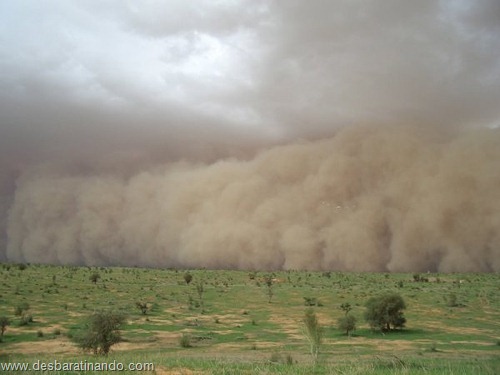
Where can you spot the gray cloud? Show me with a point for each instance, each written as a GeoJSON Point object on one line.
{"type": "Point", "coordinates": [101, 94]}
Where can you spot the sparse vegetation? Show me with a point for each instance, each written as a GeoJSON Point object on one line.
{"type": "Point", "coordinates": [238, 330]}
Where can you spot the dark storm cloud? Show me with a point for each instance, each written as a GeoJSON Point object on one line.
{"type": "Point", "coordinates": [125, 98]}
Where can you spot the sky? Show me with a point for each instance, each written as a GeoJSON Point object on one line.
{"type": "Point", "coordinates": [113, 89]}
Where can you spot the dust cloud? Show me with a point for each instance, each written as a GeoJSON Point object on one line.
{"type": "Point", "coordinates": [379, 198]}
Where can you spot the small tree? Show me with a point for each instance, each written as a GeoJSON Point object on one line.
{"type": "Point", "coordinates": [385, 311]}
{"type": "Point", "coordinates": [95, 277]}
{"type": "Point", "coordinates": [347, 323]}
{"type": "Point", "coordinates": [102, 332]}
{"type": "Point", "coordinates": [200, 290]}
{"type": "Point", "coordinates": [313, 333]}
{"type": "Point", "coordinates": [346, 307]}
{"type": "Point", "coordinates": [188, 277]}
{"type": "Point", "coordinates": [268, 279]}
{"type": "Point", "coordinates": [4, 322]}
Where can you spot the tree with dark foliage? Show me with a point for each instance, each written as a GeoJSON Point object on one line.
{"type": "Point", "coordinates": [385, 312]}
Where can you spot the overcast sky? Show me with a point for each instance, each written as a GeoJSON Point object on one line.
{"type": "Point", "coordinates": [85, 77]}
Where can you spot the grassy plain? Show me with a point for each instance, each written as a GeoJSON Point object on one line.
{"type": "Point", "coordinates": [453, 320]}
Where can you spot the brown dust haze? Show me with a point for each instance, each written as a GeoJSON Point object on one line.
{"type": "Point", "coordinates": [365, 199]}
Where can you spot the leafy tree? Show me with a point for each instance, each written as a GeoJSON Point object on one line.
{"type": "Point", "coordinates": [4, 322]}
{"type": "Point", "coordinates": [102, 332]}
{"type": "Point", "coordinates": [385, 311]}
{"type": "Point", "coordinates": [347, 323]}
{"type": "Point", "coordinates": [188, 277]}
{"type": "Point", "coordinates": [313, 332]}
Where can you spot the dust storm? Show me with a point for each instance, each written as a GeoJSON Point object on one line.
{"type": "Point", "coordinates": [380, 198]}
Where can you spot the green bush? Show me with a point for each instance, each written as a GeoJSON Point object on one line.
{"type": "Point", "coordinates": [347, 324]}
{"type": "Point", "coordinates": [21, 309]}
{"type": "Point", "coordinates": [25, 319]}
{"type": "Point", "coordinates": [385, 312]}
{"type": "Point", "coordinates": [185, 340]}
{"type": "Point", "coordinates": [101, 332]}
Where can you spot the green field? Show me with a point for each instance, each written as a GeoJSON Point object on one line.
{"type": "Point", "coordinates": [233, 328]}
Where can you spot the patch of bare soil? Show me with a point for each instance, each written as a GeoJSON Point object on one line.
{"type": "Point", "coordinates": [176, 371]}
{"type": "Point", "coordinates": [290, 326]}
{"type": "Point", "coordinates": [59, 345]}
{"type": "Point", "coordinates": [461, 330]}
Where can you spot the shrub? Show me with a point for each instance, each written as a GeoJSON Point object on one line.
{"type": "Point", "coordinates": [278, 358]}
{"type": "Point", "coordinates": [26, 319]}
{"type": "Point", "coordinates": [143, 306]}
{"type": "Point", "coordinates": [95, 277]}
{"type": "Point", "coordinates": [188, 277]}
{"type": "Point", "coordinates": [4, 322]}
{"type": "Point", "coordinates": [21, 308]}
{"type": "Point", "coordinates": [185, 340]}
{"type": "Point", "coordinates": [452, 300]}
{"type": "Point", "coordinates": [312, 301]}
{"type": "Point", "coordinates": [347, 323]}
